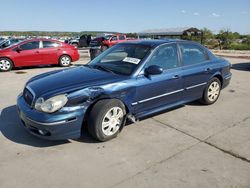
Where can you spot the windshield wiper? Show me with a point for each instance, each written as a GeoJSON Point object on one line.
{"type": "Point", "coordinates": [103, 68]}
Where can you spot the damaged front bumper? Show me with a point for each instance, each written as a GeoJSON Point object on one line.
{"type": "Point", "coordinates": [61, 125]}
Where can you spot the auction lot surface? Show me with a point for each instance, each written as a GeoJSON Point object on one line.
{"type": "Point", "coordinates": [192, 146]}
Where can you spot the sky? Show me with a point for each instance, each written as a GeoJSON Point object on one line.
{"type": "Point", "coordinates": [124, 15]}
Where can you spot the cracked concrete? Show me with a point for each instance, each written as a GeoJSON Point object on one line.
{"type": "Point", "coordinates": [192, 146]}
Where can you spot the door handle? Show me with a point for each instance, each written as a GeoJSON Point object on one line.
{"type": "Point", "coordinates": [37, 52]}
{"type": "Point", "coordinates": [175, 77]}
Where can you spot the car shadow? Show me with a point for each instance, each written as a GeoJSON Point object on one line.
{"type": "Point", "coordinates": [241, 66]}
{"type": "Point", "coordinates": [12, 129]}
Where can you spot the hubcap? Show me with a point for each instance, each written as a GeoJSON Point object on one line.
{"type": "Point", "coordinates": [4, 64]}
{"type": "Point", "coordinates": [213, 91]}
{"type": "Point", "coordinates": [112, 121]}
{"type": "Point", "coordinates": [65, 60]}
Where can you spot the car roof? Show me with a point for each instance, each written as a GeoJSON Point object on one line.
{"type": "Point", "coordinates": [154, 42]}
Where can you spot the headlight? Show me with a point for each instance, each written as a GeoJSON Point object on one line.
{"type": "Point", "coordinates": [51, 105]}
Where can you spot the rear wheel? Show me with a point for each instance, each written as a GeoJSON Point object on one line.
{"type": "Point", "coordinates": [106, 119]}
{"type": "Point", "coordinates": [64, 61]}
{"type": "Point", "coordinates": [212, 92]}
{"type": "Point", "coordinates": [5, 64]}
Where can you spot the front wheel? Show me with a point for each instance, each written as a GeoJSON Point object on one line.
{"type": "Point", "coordinates": [5, 64]}
{"type": "Point", "coordinates": [64, 61]}
{"type": "Point", "coordinates": [212, 92]}
{"type": "Point", "coordinates": [106, 119]}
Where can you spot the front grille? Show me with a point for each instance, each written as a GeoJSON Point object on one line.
{"type": "Point", "coordinates": [28, 96]}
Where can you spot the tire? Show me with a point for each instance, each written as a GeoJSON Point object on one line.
{"type": "Point", "coordinates": [103, 48]}
{"type": "Point", "coordinates": [103, 125]}
{"type": "Point", "coordinates": [64, 61]}
{"type": "Point", "coordinates": [212, 92]}
{"type": "Point", "coordinates": [5, 64]}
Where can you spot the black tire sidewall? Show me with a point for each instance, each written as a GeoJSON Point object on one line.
{"type": "Point", "coordinates": [97, 114]}
{"type": "Point", "coordinates": [60, 62]}
{"type": "Point", "coordinates": [205, 99]}
{"type": "Point", "coordinates": [11, 64]}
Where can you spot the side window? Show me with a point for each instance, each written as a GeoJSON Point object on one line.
{"type": "Point", "coordinates": [30, 45]}
{"type": "Point", "coordinates": [165, 57]}
{"type": "Point", "coordinates": [121, 37]}
{"type": "Point", "coordinates": [49, 44]}
{"type": "Point", "coordinates": [192, 54]}
{"type": "Point", "coordinates": [114, 38]}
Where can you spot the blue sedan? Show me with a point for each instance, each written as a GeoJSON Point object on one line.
{"type": "Point", "coordinates": [128, 81]}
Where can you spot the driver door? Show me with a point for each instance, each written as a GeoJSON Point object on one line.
{"type": "Point", "coordinates": [113, 40]}
{"type": "Point", "coordinates": [154, 91]}
{"type": "Point", "coordinates": [28, 54]}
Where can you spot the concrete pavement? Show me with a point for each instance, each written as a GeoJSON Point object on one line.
{"type": "Point", "coordinates": [191, 146]}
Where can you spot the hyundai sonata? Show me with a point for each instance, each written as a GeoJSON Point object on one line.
{"type": "Point", "coordinates": [128, 81]}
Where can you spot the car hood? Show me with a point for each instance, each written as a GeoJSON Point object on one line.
{"type": "Point", "coordinates": [68, 80]}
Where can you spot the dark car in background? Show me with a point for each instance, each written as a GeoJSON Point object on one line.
{"type": "Point", "coordinates": [130, 80]}
{"type": "Point", "coordinates": [82, 41]}
{"type": "Point", "coordinates": [37, 52]}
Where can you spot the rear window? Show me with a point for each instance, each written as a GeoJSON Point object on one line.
{"type": "Point", "coordinates": [49, 44]}
{"type": "Point", "coordinates": [121, 37]}
{"type": "Point", "coordinates": [192, 54]}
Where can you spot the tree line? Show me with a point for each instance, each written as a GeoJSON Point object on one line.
{"type": "Point", "coordinates": [225, 39]}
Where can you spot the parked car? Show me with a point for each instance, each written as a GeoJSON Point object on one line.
{"type": "Point", "coordinates": [130, 80]}
{"type": "Point", "coordinates": [97, 42]}
{"type": "Point", "coordinates": [8, 42]}
{"type": "Point", "coordinates": [82, 41]}
{"type": "Point", "coordinates": [101, 44]}
{"type": "Point", "coordinates": [37, 52]}
{"type": "Point", "coordinates": [112, 40]}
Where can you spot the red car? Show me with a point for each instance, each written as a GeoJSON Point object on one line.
{"type": "Point", "coordinates": [37, 52]}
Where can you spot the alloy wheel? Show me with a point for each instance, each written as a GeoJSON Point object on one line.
{"type": "Point", "coordinates": [5, 65]}
{"type": "Point", "coordinates": [65, 60]}
{"type": "Point", "coordinates": [213, 91]}
{"type": "Point", "coordinates": [112, 121]}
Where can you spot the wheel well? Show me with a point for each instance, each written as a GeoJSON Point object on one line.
{"type": "Point", "coordinates": [220, 78]}
{"type": "Point", "coordinates": [10, 60]}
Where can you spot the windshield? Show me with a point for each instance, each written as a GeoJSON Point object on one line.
{"type": "Point", "coordinates": [122, 58]}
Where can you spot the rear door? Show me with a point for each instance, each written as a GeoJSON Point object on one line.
{"type": "Point", "coordinates": [29, 54]}
{"type": "Point", "coordinates": [50, 51]}
{"type": "Point", "coordinates": [197, 70]}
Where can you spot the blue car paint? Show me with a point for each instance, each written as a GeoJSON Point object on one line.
{"type": "Point", "coordinates": [142, 95]}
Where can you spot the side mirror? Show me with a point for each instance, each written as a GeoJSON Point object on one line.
{"type": "Point", "coordinates": [153, 70]}
{"type": "Point", "coordinates": [18, 49]}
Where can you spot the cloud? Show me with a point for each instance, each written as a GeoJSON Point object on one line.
{"type": "Point", "coordinates": [244, 12]}
{"type": "Point", "coordinates": [215, 14]}
{"type": "Point", "coordinates": [196, 14]}
{"type": "Point", "coordinates": [183, 11]}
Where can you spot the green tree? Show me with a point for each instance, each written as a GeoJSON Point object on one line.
{"type": "Point", "coordinates": [225, 38]}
